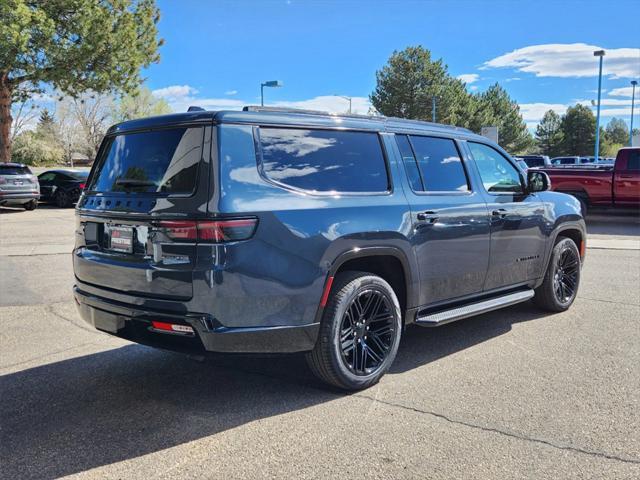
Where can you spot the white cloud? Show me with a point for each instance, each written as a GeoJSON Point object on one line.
{"type": "Point", "coordinates": [569, 60]}
{"type": "Point", "coordinates": [533, 112]}
{"type": "Point", "coordinates": [329, 103]}
{"type": "Point", "coordinates": [623, 92]}
{"type": "Point", "coordinates": [231, 92]}
{"type": "Point", "coordinates": [174, 91]}
{"type": "Point", "coordinates": [469, 78]}
{"type": "Point", "coordinates": [181, 97]}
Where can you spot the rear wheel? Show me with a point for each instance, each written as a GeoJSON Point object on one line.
{"type": "Point", "coordinates": [359, 334]}
{"type": "Point", "coordinates": [562, 278]}
{"type": "Point", "coordinates": [61, 199]}
{"type": "Point", "coordinates": [32, 205]}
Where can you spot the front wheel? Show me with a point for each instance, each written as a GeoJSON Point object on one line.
{"type": "Point", "coordinates": [562, 278]}
{"type": "Point", "coordinates": [61, 199]}
{"type": "Point", "coordinates": [359, 333]}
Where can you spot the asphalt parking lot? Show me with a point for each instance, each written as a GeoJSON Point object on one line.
{"type": "Point", "coordinates": [510, 394]}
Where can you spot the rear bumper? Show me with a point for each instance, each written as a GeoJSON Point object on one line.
{"type": "Point", "coordinates": [133, 323]}
{"type": "Point", "coordinates": [18, 198]}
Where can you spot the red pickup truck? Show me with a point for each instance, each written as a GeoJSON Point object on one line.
{"type": "Point", "coordinates": [600, 186]}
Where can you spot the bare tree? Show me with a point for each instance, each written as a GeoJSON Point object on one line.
{"type": "Point", "coordinates": [24, 113]}
{"type": "Point", "coordinates": [83, 121]}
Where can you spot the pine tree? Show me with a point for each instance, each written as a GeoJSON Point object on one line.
{"type": "Point", "coordinates": [578, 127]}
{"type": "Point", "coordinates": [549, 134]}
{"type": "Point", "coordinates": [494, 107]}
{"type": "Point", "coordinates": [408, 83]}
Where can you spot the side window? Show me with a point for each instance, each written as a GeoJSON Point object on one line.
{"type": "Point", "coordinates": [440, 164]}
{"type": "Point", "coordinates": [324, 160]}
{"type": "Point", "coordinates": [633, 160]}
{"type": "Point", "coordinates": [409, 163]}
{"type": "Point", "coordinates": [46, 177]}
{"type": "Point", "coordinates": [497, 173]}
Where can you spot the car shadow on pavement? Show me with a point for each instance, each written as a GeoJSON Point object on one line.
{"type": "Point", "coordinates": [85, 412]}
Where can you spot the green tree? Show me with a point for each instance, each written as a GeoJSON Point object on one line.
{"type": "Point", "coordinates": [138, 104]}
{"type": "Point", "coordinates": [549, 134]}
{"type": "Point", "coordinates": [407, 84]}
{"type": "Point", "coordinates": [494, 107]}
{"type": "Point", "coordinates": [617, 131]}
{"type": "Point", "coordinates": [31, 148]}
{"type": "Point", "coordinates": [74, 46]}
{"type": "Point", "coordinates": [47, 128]}
{"type": "Point", "coordinates": [578, 127]}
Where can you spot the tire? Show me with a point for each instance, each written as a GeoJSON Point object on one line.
{"type": "Point", "coordinates": [562, 278]}
{"type": "Point", "coordinates": [358, 364]}
{"type": "Point", "coordinates": [61, 199]}
{"type": "Point", "coordinates": [32, 205]}
{"type": "Point", "coordinates": [583, 206]}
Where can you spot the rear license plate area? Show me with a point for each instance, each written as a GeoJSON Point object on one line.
{"type": "Point", "coordinates": [119, 238]}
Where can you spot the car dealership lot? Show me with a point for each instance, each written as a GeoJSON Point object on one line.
{"type": "Point", "coordinates": [511, 394]}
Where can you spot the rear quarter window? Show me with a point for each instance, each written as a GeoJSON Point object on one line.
{"type": "Point", "coordinates": [161, 161]}
{"type": "Point", "coordinates": [13, 170]}
{"type": "Point", "coordinates": [324, 160]}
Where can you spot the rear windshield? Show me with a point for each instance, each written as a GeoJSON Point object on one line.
{"type": "Point", "coordinates": [161, 161]}
{"type": "Point", "coordinates": [14, 170]}
{"type": "Point", "coordinates": [534, 161]}
{"type": "Point", "coordinates": [78, 175]}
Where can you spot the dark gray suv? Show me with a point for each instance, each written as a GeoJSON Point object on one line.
{"type": "Point", "coordinates": [273, 231]}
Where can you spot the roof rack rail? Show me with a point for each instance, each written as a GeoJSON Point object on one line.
{"type": "Point", "coordinates": [257, 108]}
{"type": "Point", "coordinates": [382, 118]}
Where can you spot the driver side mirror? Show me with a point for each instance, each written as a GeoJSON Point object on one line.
{"type": "Point", "coordinates": [538, 181]}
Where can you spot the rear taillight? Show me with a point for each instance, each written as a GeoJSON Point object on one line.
{"type": "Point", "coordinates": [82, 186]}
{"type": "Point", "coordinates": [210, 231]}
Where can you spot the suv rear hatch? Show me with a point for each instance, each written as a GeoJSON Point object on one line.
{"type": "Point", "coordinates": [144, 190]}
{"type": "Point", "coordinates": [15, 179]}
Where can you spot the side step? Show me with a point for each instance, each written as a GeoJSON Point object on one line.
{"type": "Point", "coordinates": [446, 316]}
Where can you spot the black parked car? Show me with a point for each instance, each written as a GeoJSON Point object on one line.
{"type": "Point", "coordinates": [272, 231]}
{"type": "Point", "coordinates": [62, 187]}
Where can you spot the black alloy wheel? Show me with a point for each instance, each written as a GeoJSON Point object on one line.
{"type": "Point", "coordinates": [565, 277]}
{"type": "Point", "coordinates": [359, 332]}
{"type": "Point", "coordinates": [61, 199]}
{"type": "Point", "coordinates": [367, 332]}
{"type": "Point", "coordinates": [561, 281]}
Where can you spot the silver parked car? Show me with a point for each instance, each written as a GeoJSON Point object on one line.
{"type": "Point", "coordinates": [18, 186]}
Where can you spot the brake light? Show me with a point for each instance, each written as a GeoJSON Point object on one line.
{"type": "Point", "coordinates": [214, 231]}
{"type": "Point", "coordinates": [82, 186]}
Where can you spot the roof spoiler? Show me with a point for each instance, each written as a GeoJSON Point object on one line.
{"type": "Point", "coordinates": [194, 108]}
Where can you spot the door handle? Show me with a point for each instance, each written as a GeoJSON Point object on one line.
{"type": "Point", "coordinates": [626, 177]}
{"type": "Point", "coordinates": [501, 213]}
{"type": "Point", "coordinates": [428, 216]}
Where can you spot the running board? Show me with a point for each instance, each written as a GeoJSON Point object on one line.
{"type": "Point", "coordinates": [446, 316]}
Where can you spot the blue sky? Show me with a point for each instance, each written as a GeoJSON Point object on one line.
{"type": "Point", "coordinates": [217, 53]}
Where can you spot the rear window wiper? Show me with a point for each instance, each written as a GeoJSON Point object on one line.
{"type": "Point", "coordinates": [132, 182]}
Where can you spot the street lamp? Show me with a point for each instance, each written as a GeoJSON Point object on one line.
{"type": "Point", "coordinates": [633, 98]}
{"type": "Point", "coordinates": [598, 53]}
{"type": "Point", "coordinates": [270, 83]}
{"type": "Point", "coordinates": [346, 98]}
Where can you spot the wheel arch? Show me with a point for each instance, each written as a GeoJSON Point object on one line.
{"type": "Point", "coordinates": [389, 263]}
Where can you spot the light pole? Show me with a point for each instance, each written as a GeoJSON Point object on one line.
{"type": "Point", "coordinates": [346, 98]}
{"type": "Point", "coordinates": [433, 109]}
{"type": "Point", "coordinates": [598, 53]}
{"type": "Point", "coordinates": [633, 98]}
{"type": "Point", "coordinates": [270, 83]}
